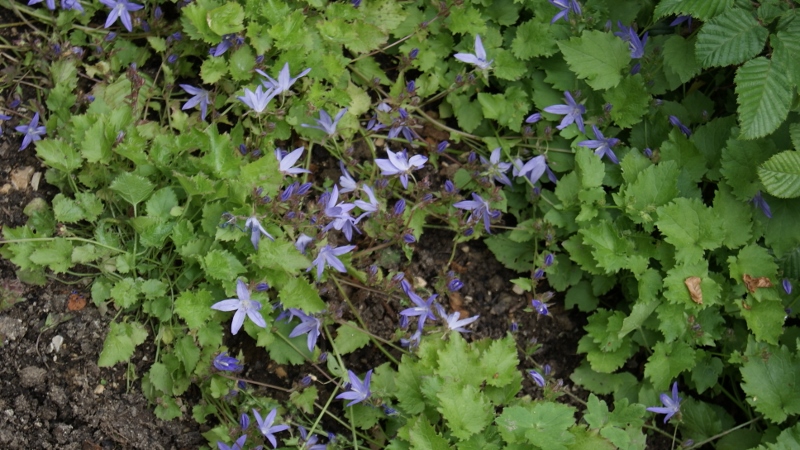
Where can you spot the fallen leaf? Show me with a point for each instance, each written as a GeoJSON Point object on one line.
{"type": "Point", "coordinates": [693, 284]}
{"type": "Point", "coordinates": [76, 302]}
{"type": "Point", "coordinates": [755, 283]}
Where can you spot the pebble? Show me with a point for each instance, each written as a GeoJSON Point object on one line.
{"type": "Point", "coordinates": [31, 376]}
{"type": "Point", "coordinates": [11, 329]}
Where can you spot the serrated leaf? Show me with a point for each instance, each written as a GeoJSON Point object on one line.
{"type": "Point", "coordinates": [597, 57]}
{"type": "Point", "coordinates": [132, 188]}
{"type": "Point", "coordinates": [655, 186]}
{"type": "Point", "coordinates": [544, 425]}
{"type": "Point", "coordinates": [226, 19]}
{"type": "Point", "coordinates": [788, 439]}
{"type": "Point", "coordinates": [299, 293]}
{"type": "Point", "coordinates": [730, 38]}
{"type": "Point", "coordinates": [280, 255]}
{"type": "Point", "coordinates": [457, 364]}
{"type": "Point", "coordinates": [679, 57]}
{"type": "Point", "coordinates": [160, 378]}
{"type": "Point", "coordinates": [55, 254]}
{"type": "Point", "coordinates": [765, 319]}
{"type": "Point", "coordinates": [630, 101]}
{"type": "Point", "coordinates": [667, 362]}
{"type": "Point", "coordinates": [466, 410]}
{"type": "Point", "coordinates": [58, 155]}
{"type": "Point", "coordinates": [194, 307]}
{"type": "Point", "coordinates": [612, 251]}
{"type": "Point", "coordinates": [499, 362]}
{"type": "Point", "coordinates": [705, 374]}
{"type": "Point", "coordinates": [241, 63]}
{"type": "Point", "coordinates": [699, 9]}
{"type": "Point", "coordinates": [786, 45]}
{"type": "Point", "coordinates": [125, 293]}
{"type": "Point", "coordinates": [736, 217]}
{"type": "Point", "coordinates": [350, 338]}
{"type": "Point", "coordinates": [305, 399]}
{"type": "Point", "coordinates": [120, 343]}
{"type": "Point", "coordinates": [691, 227]}
{"type": "Point", "coordinates": [770, 382]}
{"type": "Point", "coordinates": [764, 94]}
{"type": "Point", "coordinates": [533, 38]}
{"type": "Point", "coordinates": [423, 436]}
{"type": "Point", "coordinates": [161, 203]}
{"type": "Point", "coordinates": [514, 255]}
{"type": "Point", "coordinates": [222, 265]}
{"type": "Point", "coordinates": [213, 69]}
{"type": "Point", "coordinates": [781, 174]}
{"type": "Point", "coordinates": [740, 161]}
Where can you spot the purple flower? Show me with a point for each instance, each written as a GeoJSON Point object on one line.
{"type": "Point", "coordinates": [309, 325]}
{"type": "Point", "coordinates": [533, 118]}
{"type": "Point", "coordinates": [672, 405]}
{"type": "Point", "coordinates": [266, 428]}
{"type": "Point", "coordinates": [454, 285]}
{"type": "Point", "coordinates": [565, 6]}
{"type": "Point", "coordinates": [370, 207]}
{"type": "Point", "coordinates": [310, 443]}
{"type": "Point", "coordinates": [51, 4]}
{"type": "Point", "coordinates": [256, 231]}
{"type": "Point", "coordinates": [244, 421]}
{"type": "Point", "coordinates": [676, 122]}
{"type": "Point", "coordinates": [227, 42]}
{"type": "Point", "coordinates": [548, 260]}
{"type": "Point", "coordinates": [256, 100]}
{"type": "Point", "coordinates": [495, 168]}
{"type": "Point", "coordinates": [358, 391]}
{"type": "Point", "coordinates": [442, 146]}
{"type": "Point", "coordinates": [401, 125]}
{"type": "Point", "coordinates": [454, 324]}
{"type": "Point", "coordinates": [227, 363]}
{"type": "Point", "coordinates": [72, 4]}
{"type": "Point", "coordinates": [413, 341]}
{"type": "Point", "coordinates": [533, 169]}
{"type": "Point", "coordinates": [537, 378]}
{"type": "Point", "coordinates": [399, 207]}
{"type": "Point", "coordinates": [286, 162]}
{"type": "Point", "coordinates": [243, 306]}
{"type": "Point", "coordinates": [284, 81]}
{"type": "Point", "coordinates": [759, 201]}
{"type": "Point", "coordinates": [423, 309]}
{"type": "Point", "coordinates": [200, 97]}
{"type": "Point", "coordinates": [324, 123]}
{"type": "Point", "coordinates": [120, 9]}
{"type": "Point", "coordinates": [32, 131]}
{"type": "Point", "coordinates": [540, 307]}
{"type": "Point", "coordinates": [602, 145]}
{"type": "Point", "coordinates": [400, 164]}
{"type": "Point", "coordinates": [680, 19]}
{"type": "Point", "coordinates": [328, 257]}
{"type": "Point", "coordinates": [787, 286]}
{"type": "Point", "coordinates": [478, 59]}
{"type": "Point", "coordinates": [413, 53]}
{"type": "Point", "coordinates": [635, 44]}
{"type": "Point", "coordinates": [302, 242]}
{"type": "Point", "coordinates": [238, 445]}
{"type": "Point", "coordinates": [480, 209]}
{"type": "Point", "coordinates": [572, 112]}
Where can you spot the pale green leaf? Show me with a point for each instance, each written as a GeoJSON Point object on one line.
{"type": "Point", "coordinates": [730, 38]}
{"type": "Point", "coordinates": [667, 362]}
{"type": "Point", "coordinates": [770, 382]}
{"type": "Point", "coordinates": [597, 57]}
{"type": "Point", "coordinates": [349, 338]}
{"type": "Point", "coordinates": [121, 342]}
{"type": "Point", "coordinates": [691, 227]}
{"type": "Point", "coordinates": [699, 9]}
{"type": "Point", "coordinates": [226, 19]}
{"type": "Point", "coordinates": [764, 94]}
{"type": "Point", "coordinates": [132, 188]}
{"type": "Point", "coordinates": [465, 409]}
{"type": "Point", "coordinates": [781, 174]}
{"type": "Point", "coordinates": [58, 155]}
{"type": "Point", "coordinates": [222, 265]}
{"type": "Point", "coordinates": [630, 101]}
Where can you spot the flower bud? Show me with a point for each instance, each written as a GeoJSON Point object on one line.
{"type": "Point", "coordinates": [399, 207]}
{"type": "Point", "coordinates": [413, 53]}
{"type": "Point", "coordinates": [409, 238]}
{"type": "Point", "coordinates": [548, 260]}
{"type": "Point", "coordinates": [449, 187]}
{"type": "Point", "coordinates": [172, 58]}
{"type": "Point", "coordinates": [261, 287]}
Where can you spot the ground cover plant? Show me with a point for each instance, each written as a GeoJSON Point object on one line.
{"type": "Point", "coordinates": [231, 176]}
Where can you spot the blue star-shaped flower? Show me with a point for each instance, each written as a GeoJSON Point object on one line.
{"type": "Point", "coordinates": [309, 325]}
{"type": "Point", "coordinates": [602, 145]}
{"type": "Point", "coordinates": [479, 58]}
{"type": "Point", "coordinates": [32, 131]}
{"type": "Point", "coordinates": [243, 307]}
{"type": "Point", "coordinates": [266, 428]}
{"type": "Point", "coordinates": [120, 9]}
{"type": "Point", "coordinates": [325, 123]}
{"type": "Point", "coordinates": [358, 391]}
{"type": "Point", "coordinates": [572, 112]}
{"type": "Point", "coordinates": [200, 97]}
{"type": "Point", "coordinates": [672, 405]}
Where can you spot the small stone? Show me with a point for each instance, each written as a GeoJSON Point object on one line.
{"type": "Point", "coordinates": [99, 389]}
{"type": "Point", "coordinates": [55, 344]}
{"type": "Point", "coordinates": [21, 178]}
{"type": "Point", "coordinates": [31, 376]}
{"type": "Point", "coordinates": [419, 282]}
{"type": "Point", "coordinates": [517, 290]}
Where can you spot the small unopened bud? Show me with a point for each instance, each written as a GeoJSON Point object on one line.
{"type": "Point", "coordinates": [648, 152]}
{"type": "Point", "coordinates": [787, 286]}
{"type": "Point", "coordinates": [454, 285]}
{"type": "Point", "coordinates": [413, 53]}
{"type": "Point", "coordinates": [409, 238]}
{"type": "Point", "coordinates": [538, 275]}
{"type": "Point", "coordinates": [449, 187]}
{"type": "Point", "coordinates": [242, 149]}
{"type": "Point", "coordinates": [411, 87]}
{"type": "Point", "coordinates": [403, 322]}
{"type": "Point", "coordinates": [261, 287]}
{"type": "Point", "coordinates": [548, 260]}
{"type": "Point", "coordinates": [306, 381]}
{"type": "Point", "coordinates": [110, 36]}
{"type": "Point", "coordinates": [172, 58]}
{"type": "Point", "coordinates": [399, 207]}
{"type": "Point", "coordinates": [158, 13]}
{"type": "Point", "coordinates": [442, 146]}
{"type": "Point", "coordinates": [323, 357]}
{"type": "Point", "coordinates": [469, 232]}
{"type": "Point", "coordinates": [244, 421]}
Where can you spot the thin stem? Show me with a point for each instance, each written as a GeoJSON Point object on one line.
{"type": "Point", "coordinates": [719, 435]}
{"type": "Point", "coordinates": [88, 241]}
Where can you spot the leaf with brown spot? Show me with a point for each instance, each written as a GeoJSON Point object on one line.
{"type": "Point", "coordinates": [693, 284]}
{"type": "Point", "coordinates": [755, 283]}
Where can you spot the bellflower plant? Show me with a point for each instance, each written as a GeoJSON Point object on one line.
{"type": "Point", "coordinates": [495, 168]}
{"type": "Point", "coordinates": [309, 325]}
{"type": "Point", "coordinates": [256, 231]}
{"type": "Point", "coordinates": [51, 4]}
{"type": "Point", "coordinates": [565, 6]}
{"type": "Point", "coordinates": [602, 145]}
{"type": "Point", "coordinates": [676, 122]}
{"type": "Point", "coordinates": [238, 445]}
{"type": "Point", "coordinates": [227, 363]}
{"type": "Point", "coordinates": [359, 391]}
{"type": "Point", "coordinates": [572, 112]}
{"type": "Point", "coordinates": [284, 81]}
{"type": "Point", "coordinates": [762, 204]}
{"type": "Point", "coordinates": [200, 97]}
{"type": "Point", "coordinates": [479, 208]}
{"type": "Point", "coordinates": [32, 131]}
{"type": "Point", "coordinates": [346, 180]}
{"type": "Point", "coordinates": [243, 307]}
{"type": "Point", "coordinates": [423, 309]}
{"type": "Point", "coordinates": [266, 427]}
{"type": "Point", "coordinates": [454, 323]}
{"type": "Point", "coordinates": [672, 404]}
{"type": "Point", "coordinates": [325, 123]}
{"type": "Point", "coordinates": [256, 100]}
{"type": "Point", "coordinates": [120, 9]}
{"type": "Point", "coordinates": [327, 256]}
{"type": "Point", "coordinates": [400, 164]}
{"type": "Point", "coordinates": [478, 59]}
{"type": "Point", "coordinates": [286, 161]}
{"type": "Point", "coordinates": [533, 169]}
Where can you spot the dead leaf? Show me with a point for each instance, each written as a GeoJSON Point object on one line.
{"type": "Point", "coordinates": [693, 284]}
{"type": "Point", "coordinates": [755, 283]}
{"type": "Point", "coordinates": [76, 302]}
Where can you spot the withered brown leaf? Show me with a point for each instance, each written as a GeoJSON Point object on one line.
{"type": "Point", "coordinates": [693, 284]}
{"type": "Point", "coordinates": [755, 283]}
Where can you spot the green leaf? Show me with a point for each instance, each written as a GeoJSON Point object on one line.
{"type": "Point", "coordinates": [213, 69]}
{"type": "Point", "coordinates": [679, 57]}
{"type": "Point", "coordinates": [533, 39]}
{"type": "Point", "coordinates": [55, 254]}
{"type": "Point", "coordinates": [125, 293]}
{"type": "Point", "coordinates": [466, 410]}
{"type": "Point", "coordinates": [612, 251]}
{"type": "Point", "coordinates": [423, 436]}
{"type": "Point", "coordinates": [466, 20]}
{"type": "Point", "coordinates": [736, 217]}
{"type": "Point", "coordinates": [499, 362]}
{"type": "Point", "coordinates": [226, 19]}
{"type": "Point", "coordinates": [160, 377]}
{"type": "Point", "coordinates": [705, 374]}
{"type": "Point", "coordinates": [691, 227]}
{"type": "Point", "coordinates": [160, 204]}
{"type": "Point", "coordinates": [280, 255]}
{"type": "Point", "coordinates": [630, 100]}
{"type": "Point", "coordinates": [514, 255]}
{"type": "Point", "coordinates": [788, 439]}
{"type": "Point", "coordinates": [740, 161]}
{"type": "Point", "coordinates": [349, 338]}
{"type": "Point", "coordinates": [753, 260]}
{"type": "Point", "coordinates": [457, 364]}
{"type": "Point", "coordinates": [781, 174]}
{"type": "Point", "coordinates": [667, 362]}
{"type": "Point", "coordinates": [194, 307]}
{"type": "Point", "coordinates": [305, 399]}
{"type": "Point", "coordinates": [299, 293]}
{"type": "Point", "coordinates": [764, 94]}
{"type": "Point", "coordinates": [58, 155]}
{"type": "Point", "coordinates": [284, 349]}
{"type": "Point", "coordinates": [786, 47]}
{"type": "Point", "coordinates": [132, 188]}
{"type": "Point", "coordinates": [730, 38]}
{"type": "Point", "coordinates": [544, 425]}
{"type": "Point", "coordinates": [187, 352]}
{"type": "Point", "coordinates": [654, 187]}
{"type": "Point", "coordinates": [121, 342]}
{"type": "Point", "coordinates": [241, 63]}
{"type": "Point", "coordinates": [699, 9]}
{"type": "Point", "coordinates": [765, 319]}
{"type": "Point", "coordinates": [770, 381]}
{"type": "Point", "coordinates": [675, 289]}
{"type": "Point", "coordinates": [222, 265]}
{"type": "Point", "coordinates": [597, 57]}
